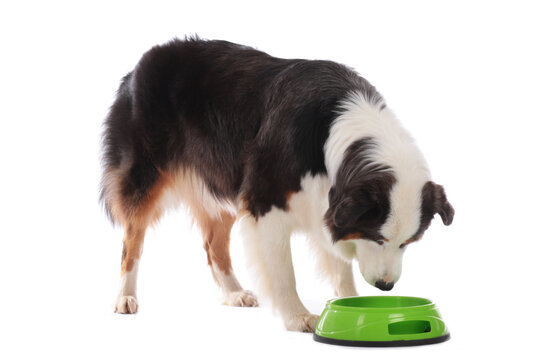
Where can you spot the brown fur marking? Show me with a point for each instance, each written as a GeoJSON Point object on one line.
{"type": "Point", "coordinates": [135, 220]}
{"type": "Point", "coordinates": [149, 211]}
{"type": "Point", "coordinates": [186, 186]}
{"type": "Point", "coordinates": [352, 236]}
{"type": "Point", "coordinates": [411, 240]}
{"type": "Point", "coordinates": [289, 195]}
{"type": "Point", "coordinates": [216, 236]}
{"type": "Point", "coordinates": [133, 240]}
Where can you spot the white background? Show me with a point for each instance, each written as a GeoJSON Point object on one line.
{"type": "Point", "coordinates": [463, 77]}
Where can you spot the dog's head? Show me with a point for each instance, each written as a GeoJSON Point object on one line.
{"type": "Point", "coordinates": [375, 212]}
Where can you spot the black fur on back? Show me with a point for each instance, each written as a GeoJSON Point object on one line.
{"type": "Point", "coordinates": [249, 124]}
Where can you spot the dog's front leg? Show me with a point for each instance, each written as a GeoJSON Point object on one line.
{"type": "Point", "coordinates": [336, 270]}
{"type": "Point", "coordinates": [267, 242]}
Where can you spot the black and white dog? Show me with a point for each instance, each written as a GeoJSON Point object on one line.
{"type": "Point", "coordinates": [281, 145]}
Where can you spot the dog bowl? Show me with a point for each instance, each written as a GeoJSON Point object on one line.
{"type": "Point", "coordinates": [380, 321]}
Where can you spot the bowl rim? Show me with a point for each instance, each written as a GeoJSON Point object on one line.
{"type": "Point", "coordinates": [334, 304]}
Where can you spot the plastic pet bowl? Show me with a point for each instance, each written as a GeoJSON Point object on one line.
{"type": "Point", "coordinates": [380, 321]}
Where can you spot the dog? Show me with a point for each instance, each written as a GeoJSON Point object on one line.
{"type": "Point", "coordinates": [283, 146]}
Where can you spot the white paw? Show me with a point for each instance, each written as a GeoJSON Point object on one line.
{"type": "Point", "coordinates": [243, 298]}
{"type": "Point", "coordinates": [302, 323]}
{"type": "Point", "coordinates": [126, 305]}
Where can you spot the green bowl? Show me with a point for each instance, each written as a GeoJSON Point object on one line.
{"type": "Point", "coordinates": [381, 321]}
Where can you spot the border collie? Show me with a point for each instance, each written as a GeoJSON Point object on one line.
{"type": "Point", "coordinates": [283, 146]}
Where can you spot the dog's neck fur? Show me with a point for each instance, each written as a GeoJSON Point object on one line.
{"type": "Point", "coordinates": [395, 149]}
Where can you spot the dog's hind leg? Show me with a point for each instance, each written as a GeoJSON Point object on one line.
{"type": "Point", "coordinates": [126, 303]}
{"type": "Point", "coordinates": [216, 236]}
{"type": "Point", "coordinates": [135, 204]}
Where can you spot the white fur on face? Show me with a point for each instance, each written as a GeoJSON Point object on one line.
{"type": "Point", "coordinates": [379, 262]}
{"type": "Point", "coordinates": [396, 149]}
{"type": "Point", "coordinates": [405, 211]}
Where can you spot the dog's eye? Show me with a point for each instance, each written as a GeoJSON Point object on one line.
{"type": "Point", "coordinates": [403, 246]}
{"type": "Point", "coordinates": [380, 242]}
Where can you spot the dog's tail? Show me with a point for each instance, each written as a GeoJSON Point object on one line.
{"type": "Point", "coordinates": [116, 147]}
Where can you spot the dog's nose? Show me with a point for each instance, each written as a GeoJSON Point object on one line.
{"type": "Point", "coordinates": [384, 286]}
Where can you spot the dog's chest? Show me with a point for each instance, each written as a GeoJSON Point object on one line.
{"type": "Point", "coordinates": [307, 207]}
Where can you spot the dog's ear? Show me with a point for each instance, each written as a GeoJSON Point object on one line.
{"type": "Point", "coordinates": [348, 211]}
{"type": "Point", "coordinates": [353, 208]}
{"type": "Point", "coordinates": [434, 199]}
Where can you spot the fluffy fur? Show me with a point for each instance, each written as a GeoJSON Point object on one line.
{"type": "Point", "coordinates": [284, 144]}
